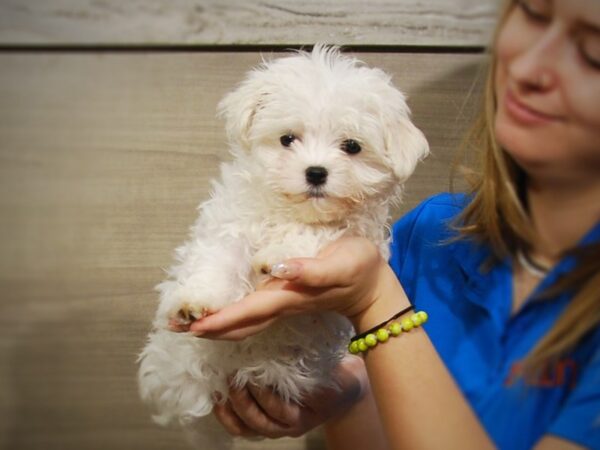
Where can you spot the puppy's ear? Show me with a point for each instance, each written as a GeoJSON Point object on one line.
{"type": "Point", "coordinates": [239, 107]}
{"type": "Point", "coordinates": [405, 144]}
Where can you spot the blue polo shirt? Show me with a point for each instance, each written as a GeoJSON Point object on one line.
{"type": "Point", "coordinates": [480, 342]}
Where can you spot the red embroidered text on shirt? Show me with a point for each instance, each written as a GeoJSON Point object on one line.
{"type": "Point", "coordinates": [564, 372]}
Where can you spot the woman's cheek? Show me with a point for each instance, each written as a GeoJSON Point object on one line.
{"type": "Point", "coordinates": [582, 100]}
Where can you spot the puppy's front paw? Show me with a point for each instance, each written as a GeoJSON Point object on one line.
{"type": "Point", "coordinates": [192, 311]}
{"type": "Point", "coordinates": [181, 318]}
{"type": "Point", "coordinates": [180, 304]}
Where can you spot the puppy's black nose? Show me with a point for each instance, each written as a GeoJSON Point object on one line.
{"type": "Point", "coordinates": [316, 175]}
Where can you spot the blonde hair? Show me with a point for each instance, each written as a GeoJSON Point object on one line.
{"type": "Point", "coordinates": [497, 217]}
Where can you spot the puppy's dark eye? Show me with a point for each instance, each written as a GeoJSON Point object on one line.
{"type": "Point", "coordinates": [351, 147]}
{"type": "Point", "coordinates": [287, 139]}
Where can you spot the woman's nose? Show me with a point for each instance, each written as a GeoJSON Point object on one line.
{"type": "Point", "coordinates": [537, 66]}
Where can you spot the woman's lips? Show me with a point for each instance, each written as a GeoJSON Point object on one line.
{"type": "Point", "coordinates": [525, 114]}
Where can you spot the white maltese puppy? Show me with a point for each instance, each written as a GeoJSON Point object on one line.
{"type": "Point", "coordinates": [321, 146]}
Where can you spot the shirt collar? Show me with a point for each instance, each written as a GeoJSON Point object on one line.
{"type": "Point", "coordinates": [568, 263]}
{"type": "Point", "coordinates": [471, 258]}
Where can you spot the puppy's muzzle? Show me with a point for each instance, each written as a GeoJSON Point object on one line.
{"type": "Point", "coordinates": [316, 175]}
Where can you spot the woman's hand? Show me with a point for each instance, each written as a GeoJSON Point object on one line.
{"type": "Point", "coordinates": [349, 276]}
{"type": "Point", "coordinates": [251, 411]}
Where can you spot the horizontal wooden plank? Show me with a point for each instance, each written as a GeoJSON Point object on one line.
{"type": "Point", "coordinates": [239, 22]}
{"type": "Point", "coordinates": [103, 160]}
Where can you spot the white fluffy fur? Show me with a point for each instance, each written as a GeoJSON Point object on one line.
{"type": "Point", "coordinates": [261, 212]}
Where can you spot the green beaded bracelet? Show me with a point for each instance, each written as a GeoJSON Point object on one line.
{"type": "Point", "coordinates": [362, 342]}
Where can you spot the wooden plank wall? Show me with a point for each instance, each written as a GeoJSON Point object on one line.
{"type": "Point", "coordinates": [242, 22]}
{"type": "Point", "coordinates": [108, 139]}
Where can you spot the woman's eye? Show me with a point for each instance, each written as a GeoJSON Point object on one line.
{"type": "Point", "coordinates": [287, 139]}
{"type": "Point", "coordinates": [589, 47]}
{"type": "Point", "coordinates": [538, 10]}
{"type": "Point", "coordinates": [351, 147]}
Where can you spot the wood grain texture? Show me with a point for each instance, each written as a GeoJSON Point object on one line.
{"type": "Point", "coordinates": [103, 160]}
{"type": "Point", "coordinates": [237, 22]}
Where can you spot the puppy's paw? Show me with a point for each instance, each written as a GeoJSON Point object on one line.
{"type": "Point", "coordinates": [192, 311]}
{"type": "Point", "coordinates": [181, 304]}
{"type": "Point", "coordinates": [181, 318]}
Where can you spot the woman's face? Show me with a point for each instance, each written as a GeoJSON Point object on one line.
{"type": "Point", "coordinates": [548, 87]}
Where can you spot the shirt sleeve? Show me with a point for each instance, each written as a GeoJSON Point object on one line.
{"type": "Point", "coordinates": [401, 234]}
{"type": "Point", "coordinates": [579, 419]}
{"type": "Point", "coordinates": [440, 206]}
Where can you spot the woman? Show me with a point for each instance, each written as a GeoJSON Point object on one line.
{"type": "Point", "coordinates": [509, 275]}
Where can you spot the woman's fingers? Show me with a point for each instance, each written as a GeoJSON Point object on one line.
{"type": "Point", "coordinates": [252, 314]}
{"type": "Point", "coordinates": [230, 421]}
{"type": "Point", "coordinates": [235, 334]}
{"type": "Point", "coordinates": [254, 410]}
{"type": "Point", "coordinates": [335, 266]}
{"type": "Point", "coordinates": [253, 416]}
{"type": "Point", "coordinates": [177, 327]}
{"type": "Point", "coordinates": [290, 415]}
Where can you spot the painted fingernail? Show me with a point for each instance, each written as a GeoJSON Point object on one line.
{"type": "Point", "coordinates": [285, 270]}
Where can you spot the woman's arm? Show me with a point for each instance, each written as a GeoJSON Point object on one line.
{"type": "Point", "coordinates": [419, 403]}
{"type": "Point", "coordinates": [358, 427]}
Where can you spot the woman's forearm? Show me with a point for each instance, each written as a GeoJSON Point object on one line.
{"type": "Point", "coordinates": [419, 403]}
{"type": "Point", "coordinates": [359, 427]}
